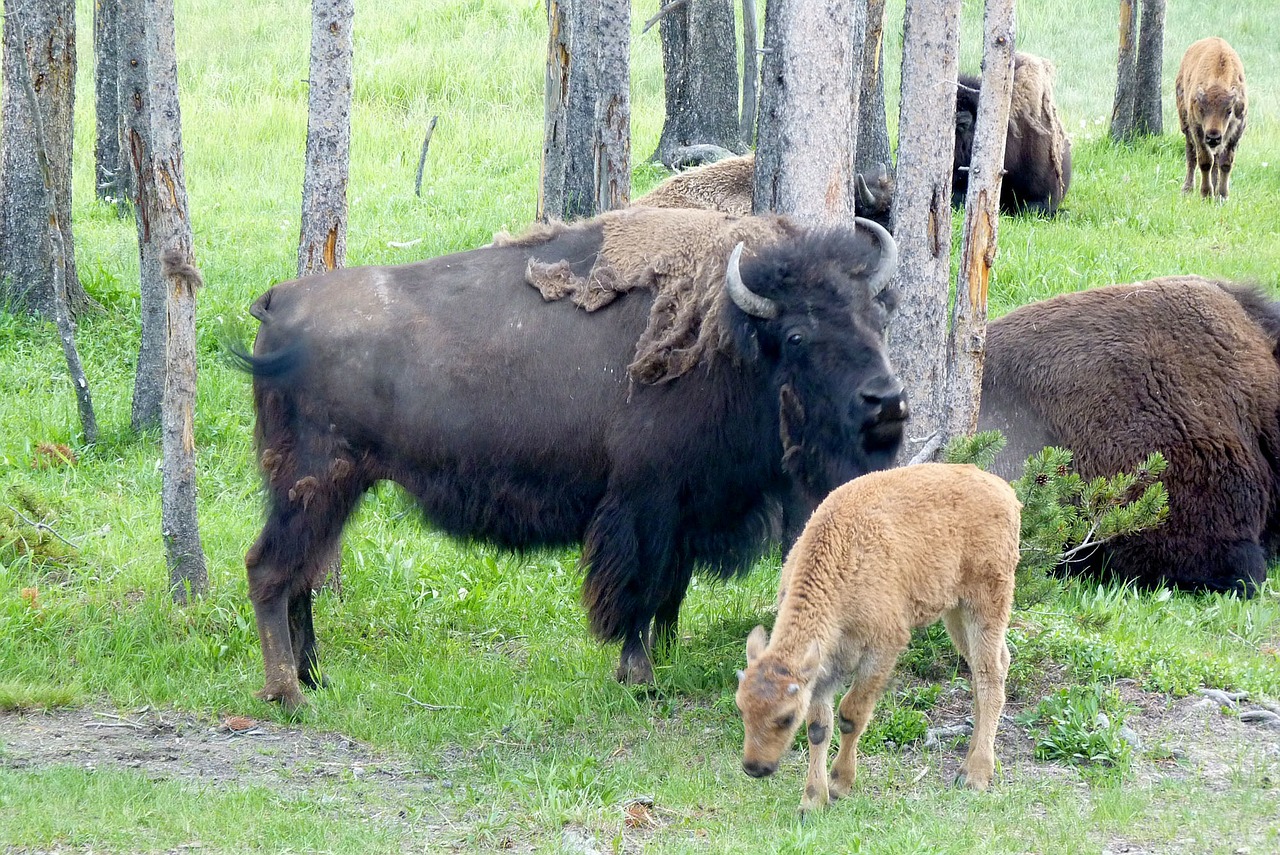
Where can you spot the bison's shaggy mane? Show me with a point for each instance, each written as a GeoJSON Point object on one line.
{"type": "Point", "coordinates": [679, 255]}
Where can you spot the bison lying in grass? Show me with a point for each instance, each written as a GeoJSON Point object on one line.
{"type": "Point", "coordinates": [1181, 365]}
{"type": "Point", "coordinates": [883, 554]}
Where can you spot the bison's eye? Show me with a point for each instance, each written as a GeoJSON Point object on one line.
{"type": "Point", "coordinates": [795, 339]}
{"type": "Point", "coordinates": [786, 722]}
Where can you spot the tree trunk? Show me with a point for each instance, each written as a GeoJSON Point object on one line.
{"type": "Point", "coordinates": [873, 123]}
{"type": "Point", "coordinates": [922, 210]}
{"type": "Point", "coordinates": [809, 109]}
{"type": "Point", "coordinates": [700, 78]}
{"type": "Point", "coordinates": [568, 160]}
{"type": "Point", "coordinates": [22, 78]}
{"type": "Point", "coordinates": [111, 167]}
{"type": "Point", "coordinates": [1147, 119]}
{"type": "Point", "coordinates": [136, 96]}
{"type": "Point", "coordinates": [48, 52]}
{"type": "Point", "coordinates": [613, 105]}
{"type": "Point", "coordinates": [1126, 74]}
{"type": "Point", "coordinates": [323, 243]}
{"type": "Point", "coordinates": [750, 74]}
{"type": "Point", "coordinates": [967, 343]}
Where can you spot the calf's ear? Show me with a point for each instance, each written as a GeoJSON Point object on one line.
{"type": "Point", "coordinates": [756, 643]}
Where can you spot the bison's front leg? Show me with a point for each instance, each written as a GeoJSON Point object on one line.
{"type": "Point", "coordinates": [1190, 183]}
{"type": "Point", "coordinates": [816, 792]}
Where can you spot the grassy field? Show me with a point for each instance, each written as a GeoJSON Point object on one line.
{"type": "Point", "coordinates": [526, 725]}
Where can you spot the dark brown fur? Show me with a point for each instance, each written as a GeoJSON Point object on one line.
{"type": "Point", "coordinates": [1181, 365]}
{"type": "Point", "coordinates": [1212, 104]}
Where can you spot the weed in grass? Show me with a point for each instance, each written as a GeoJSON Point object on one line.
{"type": "Point", "coordinates": [1082, 724]}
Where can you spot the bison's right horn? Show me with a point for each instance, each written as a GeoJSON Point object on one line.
{"type": "Point", "coordinates": [888, 265]}
{"type": "Point", "coordinates": [864, 192]}
{"type": "Point", "coordinates": [743, 297]}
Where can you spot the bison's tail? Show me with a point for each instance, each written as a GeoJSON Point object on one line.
{"type": "Point", "coordinates": [268, 366]}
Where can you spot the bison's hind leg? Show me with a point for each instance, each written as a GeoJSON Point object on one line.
{"type": "Point", "coordinates": [979, 632]}
{"type": "Point", "coordinates": [1238, 567]}
{"type": "Point", "coordinates": [287, 562]}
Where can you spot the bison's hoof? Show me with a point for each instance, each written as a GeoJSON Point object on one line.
{"type": "Point", "coordinates": [973, 780]}
{"type": "Point", "coordinates": [289, 697]}
{"type": "Point", "coordinates": [314, 680]}
{"type": "Point", "coordinates": [635, 672]}
{"type": "Point", "coordinates": [839, 786]}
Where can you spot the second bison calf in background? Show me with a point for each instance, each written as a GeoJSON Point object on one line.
{"type": "Point", "coordinates": [883, 554]}
{"type": "Point", "coordinates": [1212, 103]}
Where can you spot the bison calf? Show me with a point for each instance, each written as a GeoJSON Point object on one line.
{"type": "Point", "coordinates": [884, 553]}
{"type": "Point", "coordinates": [1211, 109]}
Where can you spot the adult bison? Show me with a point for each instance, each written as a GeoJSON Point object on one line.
{"type": "Point", "coordinates": [1037, 152]}
{"type": "Point", "coordinates": [1181, 365]}
{"type": "Point", "coordinates": [682, 410]}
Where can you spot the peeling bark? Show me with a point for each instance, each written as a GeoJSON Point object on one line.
{"type": "Point", "coordinates": [613, 107]}
{"type": "Point", "coordinates": [568, 162]}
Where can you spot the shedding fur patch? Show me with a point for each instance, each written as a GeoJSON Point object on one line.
{"type": "Point", "coordinates": [679, 255]}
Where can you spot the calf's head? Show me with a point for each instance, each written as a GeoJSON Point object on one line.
{"type": "Point", "coordinates": [773, 698]}
{"type": "Point", "coordinates": [815, 311]}
{"type": "Point", "coordinates": [1219, 110]}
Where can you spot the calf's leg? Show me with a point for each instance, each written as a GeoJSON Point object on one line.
{"type": "Point", "coordinates": [1189, 184]}
{"type": "Point", "coordinates": [816, 793]}
{"type": "Point", "coordinates": [854, 714]}
{"type": "Point", "coordinates": [990, 664]}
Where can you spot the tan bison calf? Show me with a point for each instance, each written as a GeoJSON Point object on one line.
{"type": "Point", "coordinates": [1212, 104]}
{"type": "Point", "coordinates": [884, 553]}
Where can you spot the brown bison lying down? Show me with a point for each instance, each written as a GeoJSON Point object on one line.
{"type": "Point", "coordinates": [1181, 365]}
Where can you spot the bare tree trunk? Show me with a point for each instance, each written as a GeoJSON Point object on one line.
{"type": "Point", "coordinates": [47, 50]}
{"type": "Point", "coordinates": [22, 79]}
{"type": "Point", "coordinates": [136, 96]}
{"type": "Point", "coordinates": [922, 210]}
{"type": "Point", "coordinates": [873, 123]}
{"type": "Point", "coordinates": [568, 149]}
{"type": "Point", "coordinates": [750, 74]}
{"type": "Point", "coordinates": [111, 167]}
{"type": "Point", "coordinates": [700, 78]}
{"type": "Point", "coordinates": [1126, 74]}
{"type": "Point", "coordinates": [322, 245]}
{"type": "Point", "coordinates": [809, 108]}
{"type": "Point", "coordinates": [169, 276]}
{"type": "Point", "coordinates": [1147, 118]}
{"type": "Point", "coordinates": [613, 105]}
{"type": "Point", "coordinates": [966, 346]}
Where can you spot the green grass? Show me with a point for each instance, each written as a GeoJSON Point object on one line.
{"type": "Point", "coordinates": [534, 732]}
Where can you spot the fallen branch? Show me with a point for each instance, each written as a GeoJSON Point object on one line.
{"type": "Point", "coordinates": [426, 706]}
{"type": "Point", "coordinates": [670, 7]}
{"type": "Point", "coordinates": [40, 526]}
{"type": "Point", "coordinates": [422, 158]}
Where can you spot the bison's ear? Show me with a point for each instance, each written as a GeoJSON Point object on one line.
{"type": "Point", "coordinates": [811, 662]}
{"type": "Point", "coordinates": [757, 641]}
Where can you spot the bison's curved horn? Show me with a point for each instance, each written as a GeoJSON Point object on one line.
{"type": "Point", "coordinates": [864, 192]}
{"type": "Point", "coordinates": [888, 265]}
{"type": "Point", "coordinates": [742, 296]}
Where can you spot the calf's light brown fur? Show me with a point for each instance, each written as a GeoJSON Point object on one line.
{"type": "Point", "coordinates": [883, 554]}
{"type": "Point", "coordinates": [1212, 103]}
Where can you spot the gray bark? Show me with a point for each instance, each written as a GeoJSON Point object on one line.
{"type": "Point", "coordinates": [966, 345]}
{"type": "Point", "coordinates": [922, 212]}
{"type": "Point", "coordinates": [1147, 119]}
{"type": "Point", "coordinates": [47, 51]}
{"type": "Point", "coordinates": [322, 245]}
{"type": "Point", "coordinates": [809, 108]}
{"type": "Point", "coordinates": [112, 173]}
{"type": "Point", "coordinates": [136, 98]}
{"type": "Point", "coordinates": [700, 77]}
{"type": "Point", "coordinates": [750, 74]}
{"type": "Point", "coordinates": [873, 123]}
{"type": "Point", "coordinates": [568, 161]}
{"type": "Point", "coordinates": [1126, 73]}
{"type": "Point", "coordinates": [612, 151]}
{"type": "Point", "coordinates": [22, 80]}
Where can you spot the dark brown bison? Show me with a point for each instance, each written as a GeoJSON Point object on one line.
{"type": "Point", "coordinates": [1181, 365]}
{"type": "Point", "coordinates": [1212, 103]}
{"type": "Point", "coordinates": [701, 411]}
{"type": "Point", "coordinates": [1037, 152]}
{"type": "Point", "coordinates": [727, 185]}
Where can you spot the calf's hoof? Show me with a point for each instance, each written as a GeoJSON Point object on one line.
{"type": "Point", "coordinates": [288, 696]}
{"type": "Point", "coordinates": [839, 787]}
{"type": "Point", "coordinates": [973, 780]}
{"type": "Point", "coordinates": [814, 799]}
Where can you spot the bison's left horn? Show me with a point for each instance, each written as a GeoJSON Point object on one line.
{"type": "Point", "coordinates": [742, 296]}
{"type": "Point", "coordinates": [888, 265]}
{"type": "Point", "coordinates": [865, 195]}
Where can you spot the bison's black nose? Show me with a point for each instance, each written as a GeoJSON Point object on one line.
{"type": "Point", "coordinates": [885, 398]}
{"type": "Point", "coordinates": [1212, 138]}
{"type": "Point", "coordinates": [756, 769]}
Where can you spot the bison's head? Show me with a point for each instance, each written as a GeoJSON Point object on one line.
{"type": "Point", "coordinates": [773, 698]}
{"type": "Point", "coordinates": [1220, 111]}
{"type": "Point", "coordinates": [815, 309]}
